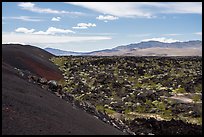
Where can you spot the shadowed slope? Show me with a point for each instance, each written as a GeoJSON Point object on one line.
{"type": "Point", "coordinates": [29, 109]}
{"type": "Point", "coordinates": [30, 58]}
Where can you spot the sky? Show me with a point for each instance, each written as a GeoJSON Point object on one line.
{"type": "Point", "coordinates": [91, 26]}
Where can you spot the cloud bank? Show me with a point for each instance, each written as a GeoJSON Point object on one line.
{"type": "Point", "coordinates": [49, 31]}
{"type": "Point", "coordinates": [24, 18]}
{"type": "Point", "coordinates": [30, 38]}
{"type": "Point", "coordinates": [141, 9]}
{"type": "Point", "coordinates": [29, 6]}
{"type": "Point", "coordinates": [162, 39]}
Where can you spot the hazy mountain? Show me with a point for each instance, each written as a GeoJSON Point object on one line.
{"type": "Point", "coordinates": [59, 52]}
{"type": "Point", "coordinates": [155, 48]}
{"type": "Point", "coordinates": [150, 44]}
{"type": "Point", "coordinates": [149, 48]}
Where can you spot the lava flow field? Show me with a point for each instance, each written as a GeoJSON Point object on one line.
{"type": "Point", "coordinates": [149, 95]}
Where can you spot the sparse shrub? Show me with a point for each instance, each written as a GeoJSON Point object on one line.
{"type": "Point", "coordinates": [179, 90]}
{"type": "Point", "coordinates": [167, 113]}
{"type": "Point", "coordinates": [125, 78]}
{"type": "Point", "coordinates": [148, 103]}
{"type": "Point", "coordinates": [109, 111]}
{"type": "Point", "coordinates": [127, 111]}
{"type": "Point", "coordinates": [62, 82]}
{"type": "Point", "coordinates": [196, 98]}
{"type": "Point", "coordinates": [159, 105]}
{"type": "Point", "coordinates": [198, 88]}
{"type": "Point", "coordinates": [100, 108]}
{"type": "Point", "coordinates": [141, 109]}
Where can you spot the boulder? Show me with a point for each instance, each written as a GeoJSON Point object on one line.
{"type": "Point", "coordinates": [52, 85]}
{"type": "Point", "coordinates": [34, 78]}
{"type": "Point", "coordinates": [43, 80]}
{"type": "Point", "coordinates": [45, 86]}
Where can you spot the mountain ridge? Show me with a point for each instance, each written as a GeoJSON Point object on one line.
{"type": "Point", "coordinates": [134, 49]}
{"type": "Point", "coordinates": [61, 52]}
{"type": "Point", "coordinates": [149, 44]}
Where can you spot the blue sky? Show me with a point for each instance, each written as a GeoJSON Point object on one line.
{"type": "Point", "coordinates": [89, 26]}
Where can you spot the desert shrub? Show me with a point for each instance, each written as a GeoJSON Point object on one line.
{"type": "Point", "coordinates": [198, 88]}
{"type": "Point", "coordinates": [109, 111]}
{"type": "Point", "coordinates": [127, 111]}
{"type": "Point", "coordinates": [159, 105]}
{"type": "Point", "coordinates": [167, 113]}
{"type": "Point", "coordinates": [149, 103]}
{"type": "Point", "coordinates": [62, 82]}
{"type": "Point", "coordinates": [179, 90]}
{"type": "Point", "coordinates": [58, 60]}
{"type": "Point", "coordinates": [141, 109]}
{"type": "Point", "coordinates": [196, 98]}
{"type": "Point", "coordinates": [100, 108]}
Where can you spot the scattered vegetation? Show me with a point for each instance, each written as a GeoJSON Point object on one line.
{"type": "Point", "coordinates": [136, 85]}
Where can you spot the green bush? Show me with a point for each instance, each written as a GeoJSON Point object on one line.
{"type": "Point", "coordinates": [100, 108]}
{"type": "Point", "coordinates": [179, 90]}
{"type": "Point", "coordinates": [141, 109]}
{"type": "Point", "coordinates": [196, 98]}
{"type": "Point", "coordinates": [109, 111]}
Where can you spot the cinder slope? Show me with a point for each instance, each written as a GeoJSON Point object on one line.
{"type": "Point", "coordinates": [28, 109]}
{"type": "Point", "coordinates": [30, 58]}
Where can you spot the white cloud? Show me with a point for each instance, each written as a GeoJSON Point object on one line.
{"type": "Point", "coordinates": [77, 27]}
{"type": "Point", "coordinates": [198, 33]}
{"type": "Point", "coordinates": [53, 30]}
{"type": "Point", "coordinates": [119, 9]}
{"type": "Point", "coordinates": [24, 30]}
{"type": "Point", "coordinates": [84, 25]}
{"type": "Point", "coordinates": [32, 7]}
{"type": "Point", "coordinates": [106, 17]}
{"type": "Point", "coordinates": [98, 34]}
{"type": "Point", "coordinates": [13, 43]}
{"type": "Point", "coordinates": [162, 39]}
{"type": "Point", "coordinates": [56, 19]}
{"type": "Point", "coordinates": [41, 33]}
{"type": "Point", "coordinates": [182, 7]}
{"type": "Point", "coordinates": [141, 9]}
{"type": "Point", "coordinates": [26, 5]}
{"type": "Point", "coordinates": [25, 18]}
{"type": "Point", "coordinates": [49, 31]}
{"type": "Point", "coordinates": [47, 39]}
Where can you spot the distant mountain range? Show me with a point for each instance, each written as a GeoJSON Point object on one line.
{"type": "Point", "coordinates": [59, 52]}
{"type": "Point", "coordinates": [151, 44]}
{"type": "Point", "coordinates": [150, 48]}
